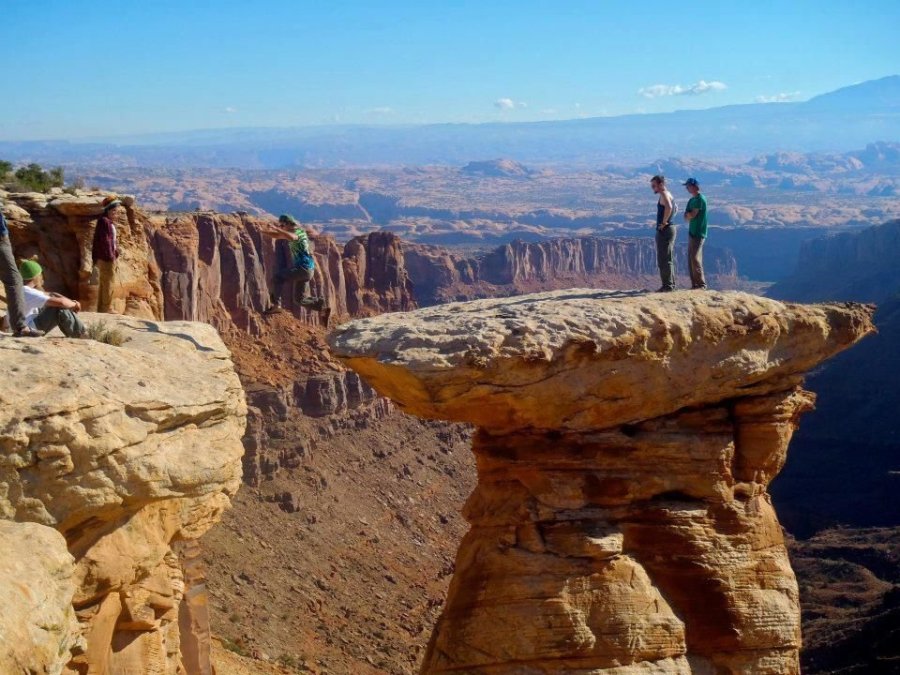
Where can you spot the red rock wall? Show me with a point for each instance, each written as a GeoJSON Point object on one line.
{"type": "Point", "coordinates": [520, 262]}
{"type": "Point", "coordinates": [218, 268]}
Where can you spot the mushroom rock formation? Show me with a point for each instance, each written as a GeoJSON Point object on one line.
{"type": "Point", "coordinates": [621, 522]}
{"type": "Point", "coordinates": [129, 452]}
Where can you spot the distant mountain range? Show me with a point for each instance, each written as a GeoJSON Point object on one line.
{"type": "Point", "coordinates": [837, 121]}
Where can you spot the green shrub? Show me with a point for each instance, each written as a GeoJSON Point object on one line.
{"type": "Point", "coordinates": [102, 333]}
{"type": "Point", "coordinates": [288, 661]}
{"type": "Point", "coordinates": [235, 646]}
{"type": "Point", "coordinates": [34, 178]}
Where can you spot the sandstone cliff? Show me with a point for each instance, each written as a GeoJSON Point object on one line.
{"type": "Point", "coordinates": [621, 521]}
{"type": "Point", "coordinates": [859, 266]}
{"type": "Point", "coordinates": [59, 229]}
{"type": "Point", "coordinates": [439, 275]}
{"type": "Point", "coordinates": [521, 261]}
{"type": "Point", "coordinates": [129, 453]}
{"type": "Point", "coordinates": [37, 625]}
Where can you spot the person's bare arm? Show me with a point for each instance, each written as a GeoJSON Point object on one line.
{"type": "Point", "coordinates": [63, 302]}
{"type": "Point", "coordinates": [276, 232]}
{"type": "Point", "coordinates": [690, 215]}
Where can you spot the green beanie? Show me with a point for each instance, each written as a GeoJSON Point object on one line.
{"type": "Point", "coordinates": [29, 269]}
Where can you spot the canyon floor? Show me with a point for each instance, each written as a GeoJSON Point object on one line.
{"type": "Point", "coordinates": [354, 580]}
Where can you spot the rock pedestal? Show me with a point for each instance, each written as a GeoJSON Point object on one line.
{"type": "Point", "coordinates": [621, 522]}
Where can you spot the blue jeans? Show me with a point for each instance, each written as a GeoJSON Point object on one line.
{"type": "Point", "coordinates": [65, 319]}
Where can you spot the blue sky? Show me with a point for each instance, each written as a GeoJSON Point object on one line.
{"type": "Point", "coordinates": [74, 70]}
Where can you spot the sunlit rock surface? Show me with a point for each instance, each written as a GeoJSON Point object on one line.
{"type": "Point", "coordinates": [621, 522]}
{"type": "Point", "coordinates": [125, 450]}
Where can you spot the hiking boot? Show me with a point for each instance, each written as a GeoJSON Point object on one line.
{"type": "Point", "coordinates": [664, 289]}
{"type": "Point", "coordinates": [273, 308]}
{"type": "Point", "coordinates": [28, 333]}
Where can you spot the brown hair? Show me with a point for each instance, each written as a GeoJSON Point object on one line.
{"type": "Point", "coordinates": [658, 179]}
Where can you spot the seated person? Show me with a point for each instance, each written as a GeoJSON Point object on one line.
{"type": "Point", "coordinates": [46, 311]}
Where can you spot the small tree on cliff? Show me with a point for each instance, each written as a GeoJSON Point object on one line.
{"type": "Point", "coordinates": [5, 168]}
{"type": "Point", "coordinates": [33, 177]}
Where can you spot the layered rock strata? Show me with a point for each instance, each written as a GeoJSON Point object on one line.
{"type": "Point", "coordinates": [218, 268]}
{"type": "Point", "coordinates": [126, 451]}
{"type": "Point", "coordinates": [625, 443]}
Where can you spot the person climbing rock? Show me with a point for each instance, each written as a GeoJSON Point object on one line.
{"type": "Point", "coordinates": [695, 214]}
{"type": "Point", "coordinates": [46, 311]}
{"type": "Point", "coordinates": [666, 208]}
{"type": "Point", "coordinates": [300, 269]}
{"type": "Point", "coordinates": [105, 251]}
{"type": "Point", "coordinates": [12, 282]}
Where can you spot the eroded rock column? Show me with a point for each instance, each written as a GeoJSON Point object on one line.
{"type": "Point", "coordinates": [621, 522]}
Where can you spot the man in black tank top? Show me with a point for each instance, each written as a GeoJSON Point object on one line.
{"type": "Point", "coordinates": [665, 233]}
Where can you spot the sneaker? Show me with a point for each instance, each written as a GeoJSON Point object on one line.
{"type": "Point", "coordinates": [273, 309]}
{"type": "Point", "coordinates": [28, 333]}
{"type": "Point", "coordinates": [664, 289]}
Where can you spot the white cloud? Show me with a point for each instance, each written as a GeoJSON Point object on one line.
{"type": "Point", "coordinates": [380, 110]}
{"type": "Point", "coordinates": [509, 104]}
{"type": "Point", "coordinates": [701, 87]}
{"type": "Point", "coordinates": [230, 109]}
{"type": "Point", "coordinates": [783, 97]}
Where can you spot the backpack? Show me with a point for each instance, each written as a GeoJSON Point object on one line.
{"type": "Point", "coordinates": [301, 251]}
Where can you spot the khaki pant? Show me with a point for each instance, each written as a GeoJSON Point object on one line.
{"type": "Point", "coordinates": [695, 261]}
{"type": "Point", "coordinates": [107, 270]}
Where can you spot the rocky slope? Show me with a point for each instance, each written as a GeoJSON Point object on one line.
{"type": "Point", "coordinates": [850, 595]}
{"type": "Point", "coordinates": [130, 453]}
{"type": "Point", "coordinates": [579, 543]}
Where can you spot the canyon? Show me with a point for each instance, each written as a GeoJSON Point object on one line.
{"type": "Point", "coordinates": [762, 209]}
{"type": "Point", "coordinates": [338, 552]}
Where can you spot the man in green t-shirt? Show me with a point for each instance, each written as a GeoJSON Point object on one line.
{"type": "Point", "coordinates": [695, 214]}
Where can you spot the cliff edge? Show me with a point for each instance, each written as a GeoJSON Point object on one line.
{"type": "Point", "coordinates": [129, 452]}
{"type": "Point", "coordinates": [621, 521]}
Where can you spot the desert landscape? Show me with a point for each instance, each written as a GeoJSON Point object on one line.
{"type": "Point", "coordinates": [333, 340]}
{"type": "Point", "coordinates": [338, 550]}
